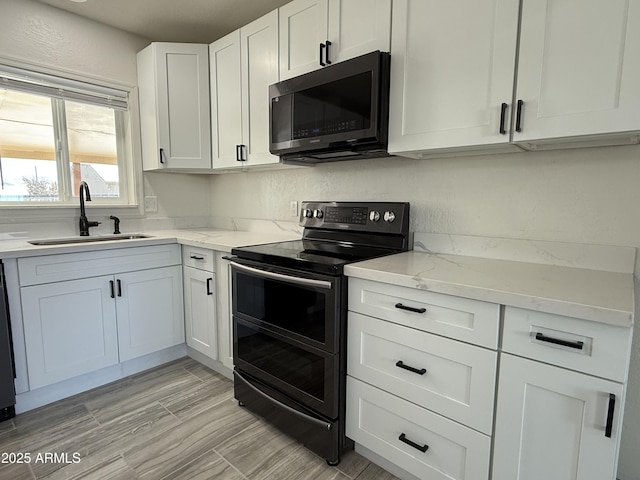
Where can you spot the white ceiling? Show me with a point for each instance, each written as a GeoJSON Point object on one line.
{"type": "Point", "coordinates": [198, 21]}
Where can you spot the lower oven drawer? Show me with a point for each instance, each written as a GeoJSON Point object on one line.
{"type": "Point", "coordinates": [448, 377]}
{"type": "Point", "coordinates": [307, 374]}
{"type": "Point", "coordinates": [321, 436]}
{"type": "Point", "coordinates": [423, 443]}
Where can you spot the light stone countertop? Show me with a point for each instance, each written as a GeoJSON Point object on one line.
{"type": "Point", "coordinates": [597, 295]}
{"type": "Point", "coordinates": [220, 240]}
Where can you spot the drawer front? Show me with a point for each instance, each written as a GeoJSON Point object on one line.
{"type": "Point", "coordinates": [377, 420]}
{"type": "Point", "coordinates": [69, 266]}
{"type": "Point", "coordinates": [448, 377]}
{"type": "Point", "coordinates": [471, 321]}
{"type": "Point", "coordinates": [196, 257]}
{"type": "Point", "coordinates": [591, 347]}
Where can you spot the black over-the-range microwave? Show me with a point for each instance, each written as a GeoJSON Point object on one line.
{"type": "Point", "coordinates": [340, 112]}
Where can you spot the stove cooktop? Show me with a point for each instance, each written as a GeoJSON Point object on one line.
{"type": "Point", "coordinates": [335, 234]}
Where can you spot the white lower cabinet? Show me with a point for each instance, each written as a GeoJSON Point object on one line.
{"type": "Point", "coordinates": [419, 441]}
{"type": "Point", "coordinates": [70, 329]}
{"type": "Point", "coordinates": [421, 373]}
{"type": "Point", "coordinates": [201, 326]}
{"type": "Point", "coordinates": [149, 310]}
{"type": "Point", "coordinates": [86, 311]}
{"type": "Point", "coordinates": [551, 423]}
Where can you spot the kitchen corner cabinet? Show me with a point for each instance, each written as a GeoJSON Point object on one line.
{"type": "Point", "coordinates": [315, 33]}
{"type": "Point", "coordinates": [559, 409]}
{"type": "Point", "coordinates": [201, 328]}
{"type": "Point", "coordinates": [173, 87]}
{"type": "Point", "coordinates": [452, 71]}
{"type": "Point", "coordinates": [243, 64]}
{"type": "Point", "coordinates": [85, 311]}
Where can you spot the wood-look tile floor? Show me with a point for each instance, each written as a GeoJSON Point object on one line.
{"type": "Point", "coordinates": [178, 421]}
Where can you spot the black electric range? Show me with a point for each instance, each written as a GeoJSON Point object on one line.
{"type": "Point", "coordinates": [290, 317]}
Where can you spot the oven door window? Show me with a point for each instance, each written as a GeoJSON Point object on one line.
{"type": "Point", "coordinates": [305, 373]}
{"type": "Point", "coordinates": [305, 311]}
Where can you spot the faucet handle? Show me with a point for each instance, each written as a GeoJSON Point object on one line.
{"type": "Point", "coordinates": [116, 224]}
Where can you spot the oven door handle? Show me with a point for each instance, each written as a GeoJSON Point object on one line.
{"type": "Point", "coordinates": [309, 282]}
{"type": "Point", "coordinates": [293, 411]}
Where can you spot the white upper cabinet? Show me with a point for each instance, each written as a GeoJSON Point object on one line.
{"type": "Point", "coordinates": [579, 69]}
{"type": "Point", "coordinates": [452, 67]}
{"type": "Point", "coordinates": [173, 84]}
{"type": "Point", "coordinates": [453, 75]}
{"type": "Point", "coordinates": [316, 33]}
{"type": "Point", "coordinates": [243, 65]}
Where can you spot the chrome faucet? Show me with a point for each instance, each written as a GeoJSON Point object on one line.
{"type": "Point", "coordinates": [84, 223]}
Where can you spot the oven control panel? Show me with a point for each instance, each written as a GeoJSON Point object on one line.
{"type": "Point", "coordinates": [384, 217]}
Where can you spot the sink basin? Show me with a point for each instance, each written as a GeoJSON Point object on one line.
{"type": "Point", "coordinates": [98, 238]}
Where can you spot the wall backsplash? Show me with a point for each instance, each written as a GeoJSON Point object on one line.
{"type": "Point", "coordinates": [588, 196]}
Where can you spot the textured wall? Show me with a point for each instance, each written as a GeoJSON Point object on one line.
{"type": "Point", "coordinates": [580, 196]}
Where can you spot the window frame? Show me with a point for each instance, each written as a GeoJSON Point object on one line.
{"type": "Point", "coordinates": [127, 142]}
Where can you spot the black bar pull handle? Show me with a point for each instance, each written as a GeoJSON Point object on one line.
{"type": "Point", "coordinates": [322, 47]}
{"type": "Point", "coordinates": [558, 341]}
{"type": "Point", "coordinates": [196, 257]}
{"type": "Point", "coordinates": [410, 309]}
{"type": "Point", "coordinates": [420, 371]}
{"type": "Point", "coordinates": [422, 448]}
{"type": "Point", "coordinates": [519, 116]}
{"type": "Point", "coordinates": [612, 406]}
{"type": "Point", "coordinates": [326, 52]}
{"type": "Point", "coordinates": [119, 288]}
{"type": "Point", "coordinates": [209, 291]}
{"type": "Point", "coordinates": [503, 115]}
{"type": "Point", "coordinates": [243, 153]}
{"type": "Point", "coordinates": [162, 156]}
{"type": "Point", "coordinates": [238, 159]}
{"type": "Point", "coordinates": [113, 293]}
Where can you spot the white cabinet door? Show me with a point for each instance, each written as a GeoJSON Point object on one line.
{"type": "Point", "coordinates": [69, 329]}
{"type": "Point", "coordinates": [451, 70]}
{"type": "Point", "coordinates": [259, 65]}
{"type": "Point", "coordinates": [200, 311]}
{"type": "Point", "coordinates": [225, 320]}
{"type": "Point", "coordinates": [578, 68]}
{"type": "Point", "coordinates": [357, 27]}
{"type": "Point", "coordinates": [150, 311]}
{"type": "Point", "coordinates": [551, 422]}
{"type": "Point", "coordinates": [173, 83]}
{"type": "Point", "coordinates": [303, 28]}
{"type": "Point", "coordinates": [226, 100]}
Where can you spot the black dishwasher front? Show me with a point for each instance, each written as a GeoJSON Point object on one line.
{"type": "Point", "coordinates": [7, 372]}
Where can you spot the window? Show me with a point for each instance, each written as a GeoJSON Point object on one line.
{"type": "Point", "coordinates": [55, 133]}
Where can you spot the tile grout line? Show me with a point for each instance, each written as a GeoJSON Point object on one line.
{"type": "Point", "coordinates": [230, 464]}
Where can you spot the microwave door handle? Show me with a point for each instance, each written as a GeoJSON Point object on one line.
{"type": "Point", "coordinates": [309, 282]}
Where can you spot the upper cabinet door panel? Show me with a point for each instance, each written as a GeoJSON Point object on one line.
{"type": "Point", "coordinates": [303, 27]}
{"type": "Point", "coordinates": [579, 68]}
{"type": "Point", "coordinates": [451, 70]}
{"type": "Point", "coordinates": [259, 65]}
{"type": "Point", "coordinates": [357, 27]}
{"type": "Point", "coordinates": [226, 99]}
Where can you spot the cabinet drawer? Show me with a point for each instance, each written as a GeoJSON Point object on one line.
{"type": "Point", "coordinates": [377, 420]}
{"type": "Point", "coordinates": [69, 266]}
{"type": "Point", "coordinates": [464, 319]}
{"type": "Point", "coordinates": [453, 378]}
{"type": "Point", "coordinates": [591, 347]}
{"type": "Point", "coordinates": [197, 257]}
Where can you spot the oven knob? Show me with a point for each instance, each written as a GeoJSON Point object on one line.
{"type": "Point", "coordinates": [307, 213]}
{"type": "Point", "coordinates": [374, 216]}
{"type": "Point", "coordinates": [317, 213]}
{"type": "Point", "coordinates": [389, 217]}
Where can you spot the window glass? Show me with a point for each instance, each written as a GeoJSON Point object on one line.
{"type": "Point", "coordinates": [55, 133]}
{"type": "Point", "coordinates": [28, 170]}
{"type": "Point", "coordinates": [93, 149]}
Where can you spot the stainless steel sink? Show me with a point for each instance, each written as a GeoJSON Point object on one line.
{"type": "Point", "coordinates": [97, 238]}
